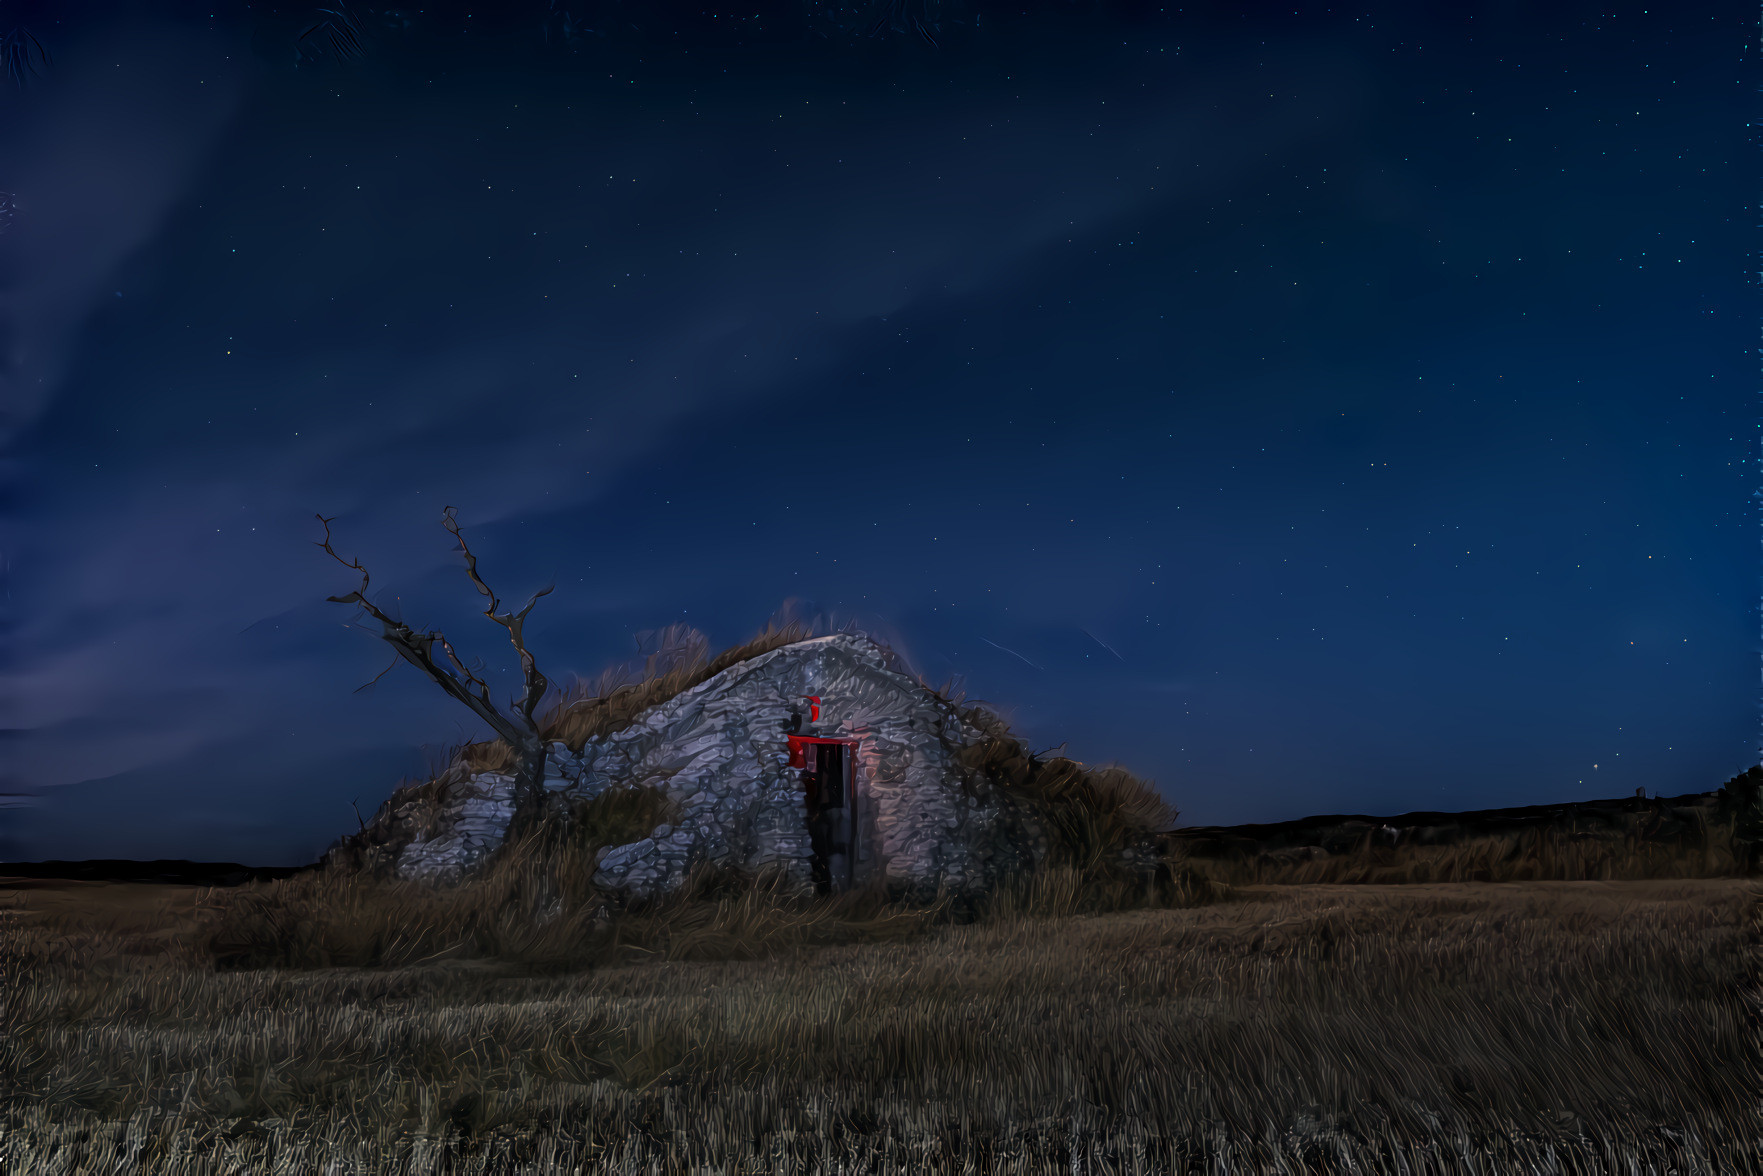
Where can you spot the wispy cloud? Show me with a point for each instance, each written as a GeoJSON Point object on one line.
{"type": "Point", "coordinates": [602, 318]}
{"type": "Point", "coordinates": [111, 142]}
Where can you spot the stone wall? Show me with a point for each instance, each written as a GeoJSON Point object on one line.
{"type": "Point", "coordinates": [720, 752]}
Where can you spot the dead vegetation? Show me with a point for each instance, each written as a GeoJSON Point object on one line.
{"type": "Point", "coordinates": [1712, 844]}
{"type": "Point", "coordinates": [535, 906]}
{"type": "Point", "coordinates": [1549, 1027]}
{"type": "Point", "coordinates": [677, 659]}
{"type": "Point", "coordinates": [1098, 818]}
{"type": "Point", "coordinates": [341, 918]}
{"type": "Point", "coordinates": [674, 660]}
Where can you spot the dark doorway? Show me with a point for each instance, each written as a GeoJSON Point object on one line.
{"type": "Point", "coordinates": [827, 798]}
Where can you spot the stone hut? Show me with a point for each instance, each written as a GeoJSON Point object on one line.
{"type": "Point", "coordinates": [822, 759]}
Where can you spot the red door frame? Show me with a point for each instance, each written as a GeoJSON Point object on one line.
{"type": "Point", "coordinates": [799, 760]}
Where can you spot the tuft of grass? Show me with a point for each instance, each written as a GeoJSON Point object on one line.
{"type": "Point", "coordinates": [618, 816]}
{"type": "Point", "coordinates": [681, 661]}
{"type": "Point", "coordinates": [489, 755]}
{"type": "Point", "coordinates": [723, 915]}
{"type": "Point", "coordinates": [1100, 820]}
{"type": "Point", "coordinates": [1056, 892]}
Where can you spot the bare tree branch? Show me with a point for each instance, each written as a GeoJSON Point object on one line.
{"type": "Point", "coordinates": [418, 649]}
{"type": "Point", "coordinates": [389, 667]}
{"type": "Point", "coordinates": [536, 683]}
{"type": "Point", "coordinates": [465, 671]}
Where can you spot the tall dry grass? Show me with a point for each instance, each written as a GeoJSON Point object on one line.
{"type": "Point", "coordinates": [1098, 821]}
{"type": "Point", "coordinates": [1541, 1027]}
{"type": "Point", "coordinates": [535, 904]}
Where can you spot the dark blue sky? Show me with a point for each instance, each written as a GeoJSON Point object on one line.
{"type": "Point", "coordinates": [1330, 410]}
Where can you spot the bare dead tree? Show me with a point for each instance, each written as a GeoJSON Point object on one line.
{"type": "Point", "coordinates": [517, 727]}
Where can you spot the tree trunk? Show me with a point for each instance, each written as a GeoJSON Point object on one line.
{"type": "Point", "coordinates": [518, 728]}
{"type": "Point", "coordinates": [529, 784]}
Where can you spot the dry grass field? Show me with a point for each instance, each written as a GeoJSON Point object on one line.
{"type": "Point", "coordinates": [1426, 1028]}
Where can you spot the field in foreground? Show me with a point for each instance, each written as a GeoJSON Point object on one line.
{"type": "Point", "coordinates": [1572, 1027]}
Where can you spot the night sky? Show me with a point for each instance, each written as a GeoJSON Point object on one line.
{"type": "Point", "coordinates": [1317, 410]}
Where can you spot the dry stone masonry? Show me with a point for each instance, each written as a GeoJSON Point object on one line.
{"type": "Point", "coordinates": [721, 753]}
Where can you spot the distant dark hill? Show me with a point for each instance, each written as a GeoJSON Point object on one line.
{"type": "Point", "coordinates": [176, 872]}
{"type": "Point", "coordinates": [1662, 818]}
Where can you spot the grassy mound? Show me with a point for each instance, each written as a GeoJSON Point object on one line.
{"type": "Point", "coordinates": [1096, 815]}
